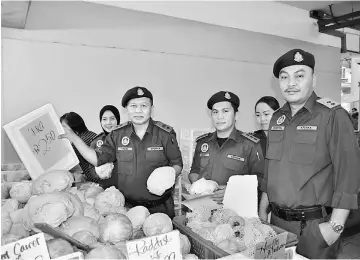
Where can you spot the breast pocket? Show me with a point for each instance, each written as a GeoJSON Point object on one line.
{"type": "Point", "coordinates": [303, 148]}
{"type": "Point", "coordinates": [125, 161]}
{"type": "Point", "coordinates": [236, 165]}
{"type": "Point", "coordinates": [155, 156]}
{"type": "Point", "coordinates": [274, 150]}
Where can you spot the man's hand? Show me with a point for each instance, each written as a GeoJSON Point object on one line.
{"type": "Point", "coordinates": [218, 195]}
{"type": "Point", "coordinates": [329, 235]}
{"type": "Point", "coordinates": [69, 133]}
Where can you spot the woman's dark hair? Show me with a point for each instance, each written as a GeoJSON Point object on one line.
{"type": "Point", "coordinates": [75, 122]}
{"type": "Point", "coordinates": [270, 101]}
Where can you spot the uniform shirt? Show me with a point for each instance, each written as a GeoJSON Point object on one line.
{"type": "Point", "coordinates": [312, 158]}
{"type": "Point", "coordinates": [263, 139]}
{"type": "Point", "coordinates": [138, 158]}
{"type": "Point", "coordinates": [105, 183]}
{"type": "Point", "coordinates": [87, 137]}
{"type": "Point", "coordinates": [239, 155]}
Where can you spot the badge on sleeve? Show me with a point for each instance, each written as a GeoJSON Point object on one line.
{"type": "Point", "coordinates": [99, 143]}
{"type": "Point", "coordinates": [140, 92]}
{"type": "Point", "coordinates": [125, 140]}
{"type": "Point", "coordinates": [298, 57]}
{"type": "Point", "coordinates": [281, 120]}
{"type": "Point", "coordinates": [204, 147]}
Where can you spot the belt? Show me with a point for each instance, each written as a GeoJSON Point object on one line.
{"type": "Point", "coordinates": [150, 203]}
{"type": "Point", "coordinates": [300, 214]}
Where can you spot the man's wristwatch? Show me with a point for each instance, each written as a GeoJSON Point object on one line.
{"type": "Point", "coordinates": [338, 228]}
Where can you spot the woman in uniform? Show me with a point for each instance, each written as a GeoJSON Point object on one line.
{"type": "Point", "coordinates": [109, 120]}
{"type": "Point", "coordinates": [264, 109]}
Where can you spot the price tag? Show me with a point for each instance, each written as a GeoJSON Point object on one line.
{"type": "Point", "coordinates": [272, 248]}
{"type": "Point", "coordinates": [164, 246]}
{"type": "Point", "coordinates": [30, 248]}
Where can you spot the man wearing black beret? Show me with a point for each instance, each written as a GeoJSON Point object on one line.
{"type": "Point", "coordinates": [227, 151]}
{"type": "Point", "coordinates": [140, 146]}
{"type": "Point", "coordinates": [312, 162]}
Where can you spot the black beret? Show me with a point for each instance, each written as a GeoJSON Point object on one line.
{"type": "Point", "coordinates": [293, 57]}
{"type": "Point", "coordinates": [136, 92]}
{"type": "Point", "coordinates": [224, 96]}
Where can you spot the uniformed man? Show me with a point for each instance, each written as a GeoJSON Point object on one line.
{"type": "Point", "coordinates": [312, 161]}
{"type": "Point", "coordinates": [139, 146]}
{"type": "Point", "coordinates": [227, 151]}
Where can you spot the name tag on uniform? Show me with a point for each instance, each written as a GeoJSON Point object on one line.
{"type": "Point", "coordinates": [155, 148]}
{"type": "Point", "coordinates": [235, 157]}
{"type": "Point", "coordinates": [278, 128]}
{"type": "Point", "coordinates": [307, 127]}
{"type": "Point", "coordinates": [204, 154]}
{"type": "Point", "coordinates": [124, 148]}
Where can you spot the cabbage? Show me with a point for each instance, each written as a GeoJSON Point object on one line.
{"type": "Point", "coordinates": [104, 171]}
{"type": "Point", "coordinates": [4, 191]}
{"type": "Point", "coordinates": [6, 223]}
{"type": "Point", "coordinates": [203, 186]}
{"type": "Point", "coordinates": [52, 181]}
{"type": "Point", "coordinates": [105, 252]}
{"type": "Point", "coordinates": [185, 245]}
{"type": "Point", "coordinates": [91, 212]}
{"type": "Point", "coordinates": [161, 179]}
{"type": "Point", "coordinates": [78, 206]}
{"type": "Point", "coordinates": [85, 237]}
{"type": "Point", "coordinates": [190, 257]}
{"type": "Point", "coordinates": [156, 224]}
{"type": "Point", "coordinates": [59, 247]}
{"type": "Point", "coordinates": [10, 205]}
{"type": "Point", "coordinates": [75, 224]}
{"type": "Point", "coordinates": [137, 216]}
{"type": "Point", "coordinates": [21, 191]}
{"type": "Point", "coordinates": [115, 228]}
{"type": "Point", "coordinates": [92, 191]}
{"type": "Point", "coordinates": [8, 239]}
{"type": "Point", "coordinates": [16, 216]}
{"type": "Point", "coordinates": [19, 230]}
{"type": "Point", "coordinates": [79, 193]}
{"type": "Point", "coordinates": [110, 201]}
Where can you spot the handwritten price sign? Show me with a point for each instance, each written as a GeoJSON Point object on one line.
{"type": "Point", "coordinates": [30, 248]}
{"type": "Point", "coordinates": [272, 248]}
{"type": "Point", "coordinates": [164, 246]}
{"type": "Point", "coordinates": [42, 137]}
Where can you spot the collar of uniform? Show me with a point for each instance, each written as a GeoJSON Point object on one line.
{"type": "Point", "coordinates": [149, 129]}
{"type": "Point", "coordinates": [231, 136]}
{"type": "Point", "coordinates": [309, 105]}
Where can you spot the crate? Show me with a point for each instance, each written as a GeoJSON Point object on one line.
{"type": "Point", "coordinates": [205, 249]}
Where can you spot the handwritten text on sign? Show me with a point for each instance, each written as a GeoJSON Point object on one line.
{"type": "Point", "coordinates": [30, 248]}
{"type": "Point", "coordinates": [272, 248]}
{"type": "Point", "coordinates": [164, 246]}
{"type": "Point", "coordinates": [42, 137]}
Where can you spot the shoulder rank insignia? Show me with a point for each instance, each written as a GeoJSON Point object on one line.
{"type": "Point", "coordinates": [163, 126]}
{"type": "Point", "coordinates": [328, 102]}
{"type": "Point", "coordinates": [202, 136]}
{"type": "Point", "coordinates": [122, 125]}
{"type": "Point", "coordinates": [251, 137]}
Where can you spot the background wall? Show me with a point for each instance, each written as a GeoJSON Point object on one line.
{"type": "Point", "coordinates": [80, 56]}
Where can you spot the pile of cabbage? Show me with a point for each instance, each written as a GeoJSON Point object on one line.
{"type": "Point", "coordinates": [88, 213]}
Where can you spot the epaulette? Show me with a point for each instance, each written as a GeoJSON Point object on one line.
{"type": "Point", "coordinates": [202, 136]}
{"type": "Point", "coordinates": [163, 126]}
{"type": "Point", "coordinates": [98, 135]}
{"type": "Point", "coordinates": [251, 137]}
{"type": "Point", "coordinates": [122, 125]}
{"type": "Point", "coordinates": [328, 102]}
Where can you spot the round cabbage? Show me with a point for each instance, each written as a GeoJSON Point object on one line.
{"type": "Point", "coordinates": [52, 181]}
{"type": "Point", "coordinates": [115, 228]}
{"type": "Point", "coordinates": [185, 245]}
{"type": "Point", "coordinates": [8, 239]}
{"type": "Point", "coordinates": [161, 179]}
{"type": "Point", "coordinates": [6, 223]}
{"type": "Point", "coordinates": [21, 191]}
{"type": "Point", "coordinates": [10, 205]}
{"type": "Point", "coordinates": [78, 206]}
{"type": "Point", "coordinates": [156, 224]}
{"type": "Point", "coordinates": [105, 252]}
{"type": "Point", "coordinates": [92, 191]}
{"type": "Point", "coordinates": [122, 247]}
{"type": "Point", "coordinates": [4, 191]}
{"type": "Point", "coordinates": [137, 216]}
{"type": "Point", "coordinates": [79, 193]}
{"type": "Point", "coordinates": [110, 201]}
{"type": "Point", "coordinates": [76, 223]}
{"type": "Point", "coordinates": [59, 247]}
{"type": "Point", "coordinates": [190, 257]}
{"type": "Point", "coordinates": [91, 212]}
{"type": "Point", "coordinates": [16, 216]}
{"type": "Point", "coordinates": [85, 237]}
{"type": "Point", "coordinates": [203, 186]}
{"type": "Point", "coordinates": [104, 171]}
{"type": "Point", "coordinates": [51, 208]}
{"type": "Point", "coordinates": [19, 230]}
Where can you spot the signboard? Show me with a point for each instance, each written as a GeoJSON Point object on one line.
{"type": "Point", "coordinates": [164, 246]}
{"type": "Point", "coordinates": [272, 248]}
{"type": "Point", "coordinates": [35, 139]}
{"type": "Point", "coordinates": [30, 248]}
